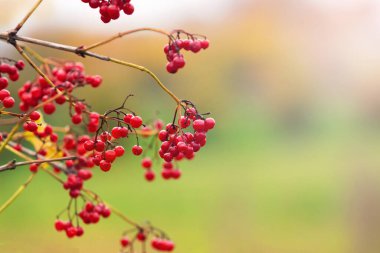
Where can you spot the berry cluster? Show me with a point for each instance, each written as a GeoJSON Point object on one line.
{"type": "Point", "coordinates": [69, 228]}
{"type": "Point", "coordinates": [104, 152]}
{"type": "Point", "coordinates": [65, 79]}
{"type": "Point", "coordinates": [177, 143]}
{"type": "Point", "coordinates": [162, 244]}
{"type": "Point", "coordinates": [11, 68]}
{"type": "Point", "coordinates": [172, 50]}
{"type": "Point", "coordinates": [110, 9]}
{"type": "Point", "coordinates": [159, 242]}
{"type": "Point", "coordinates": [91, 213]}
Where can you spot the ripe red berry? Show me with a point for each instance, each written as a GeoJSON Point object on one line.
{"type": "Point", "coordinates": [127, 118]}
{"type": "Point", "coordinates": [119, 150]}
{"type": "Point", "coordinates": [137, 150]}
{"type": "Point", "coordinates": [8, 102]}
{"type": "Point", "coordinates": [141, 236]}
{"type": "Point", "coordinates": [49, 108]}
{"type": "Point", "coordinates": [59, 225]}
{"type": "Point", "coordinates": [33, 167]}
{"type": "Point", "coordinates": [149, 175]}
{"type": "Point", "coordinates": [199, 125]}
{"type": "Point", "coordinates": [3, 83]}
{"type": "Point", "coordinates": [76, 119]}
{"type": "Point", "coordinates": [4, 94]}
{"type": "Point", "coordinates": [105, 165]}
{"type": "Point", "coordinates": [124, 241]}
{"type": "Point", "coordinates": [209, 123]}
{"type": "Point", "coordinates": [110, 155]}
{"type": "Point", "coordinates": [136, 121]}
{"type": "Point", "coordinates": [146, 163]}
{"type": "Point", "coordinates": [35, 115]}
{"type": "Point", "coordinates": [128, 9]}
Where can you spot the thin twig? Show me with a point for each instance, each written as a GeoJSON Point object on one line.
{"type": "Point", "coordinates": [13, 164]}
{"type": "Point", "coordinates": [122, 34]}
{"type": "Point", "coordinates": [27, 16]}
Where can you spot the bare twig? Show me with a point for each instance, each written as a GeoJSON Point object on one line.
{"type": "Point", "coordinates": [13, 164]}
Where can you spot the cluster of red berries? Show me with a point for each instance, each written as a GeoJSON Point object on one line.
{"type": "Point", "coordinates": [91, 213]}
{"type": "Point", "coordinates": [74, 185]}
{"type": "Point", "coordinates": [178, 143]}
{"type": "Point", "coordinates": [68, 227]}
{"type": "Point", "coordinates": [11, 68]}
{"type": "Point", "coordinates": [104, 153]}
{"type": "Point", "coordinates": [110, 9]}
{"type": "Point", "coordinates": [172, 50]}
{"type": "Point", "coordinates": [168, 170]}
{"type": "Point", "coordinates": [65, 78]}
{"type": "Point", "coordinates": [160, 244]}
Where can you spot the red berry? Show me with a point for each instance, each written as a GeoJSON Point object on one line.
{"type": "Point", "coordinates": [8, 102]}
{"type": "Point", "coordinates": [119, 150]}
{"type": "Point", "coordinates": [137, 150]}
{"type": "Point", "coordinates": [124, 241]}
{"type": "Point", "coordinates": [59, 225]}
{"type": "Point", "coordinates": [105, 165]}
{"type": "Point", "coordinates": [4, 94]}
{"type": "Point", "coordinates": [33, 167]}
{"type": "Point", "coordinates": [141, 236]}
{"type": "Point", "coordinates": [34, 115]}
{"type": "Point", "coordinates": [146, 163]}
{"type": "Point", "coordinates": [209, 123]}
{"type": "Point", "coordinates": [110, 155]}
{"type": "Point", "coordinates": [136, 121]}
{"type": "Point", "coordinates": [149, 175]}
{"type": "Point", "coordinates": [76, 119]}
{"type": "Point", "coordinates": [49, 108]}
{"type": "Point", "coordinates": [199, 125]}
{"type": "Point", "coordinates": [128, 9]}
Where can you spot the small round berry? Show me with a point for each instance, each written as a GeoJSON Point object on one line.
{"type": "Point", "coordinates": [137, 150]}
{"type": "Point", "coordinates": [209, 123]}
{"type": "Point", "coordinates": [146, 163]}
{"type": "Point", "coordinates": [199, 125]}
{"type": "Point", "coordinates": [49, 108]}
{"type": "Point", "coordinates": [110, 155]}
{"type": "Point", "coordinates": [8, 102]}
{"type": "Point", "coordinates": [76, 119]}
{"type": "Point", "coordinates": [136, 121]}
{"type": "Point", "coordinates": [141, 236]}
{"type": "Point", "coordinates": [34, 115]}
{"type": "Point", "coordinates": [124, 241]}
{"type": "Point", "coordinates": [33, 167]}
{"type": "Point", "coordinates": [105, 165]}
{"type": "Point", "coordinates": [119, 150]}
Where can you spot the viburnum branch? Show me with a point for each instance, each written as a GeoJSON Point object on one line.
{"type": "Point", "coordinates": [13, 164]}
{"type": "Point", "coordinates": [81, 52]}
{"type": "Point", "coordinates": [27, 16]}
{"type": "Point", "coordinates": [122, 34]}
{"type": "Point", "coordinates": [17, 193]}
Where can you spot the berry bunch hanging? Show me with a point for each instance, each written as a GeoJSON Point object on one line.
{"type": "Point", "coordinates": [192, 43]}
{"type": "Point", "coordinates": [111, 9]}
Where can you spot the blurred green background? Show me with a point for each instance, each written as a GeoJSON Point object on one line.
{"type": "Point", "coordinates": [293, 164]}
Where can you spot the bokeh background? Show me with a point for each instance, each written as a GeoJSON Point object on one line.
{"type": "Point", "coordinates": [293, 164]}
